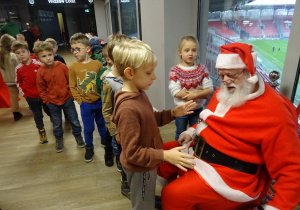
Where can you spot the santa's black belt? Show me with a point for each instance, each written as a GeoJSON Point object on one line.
{"type": "Point", "coordinates": [204, 151]}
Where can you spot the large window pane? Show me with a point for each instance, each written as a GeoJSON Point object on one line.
{"type": "Point", "coordinates": [114, 16]}
{"type": "Point", "coordinates": [265, 24]}
{"type": "Point", "coordinates": [128, 17]}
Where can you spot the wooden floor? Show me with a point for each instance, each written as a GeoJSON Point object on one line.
{"type": "Point", "coordinates": [34, 176]}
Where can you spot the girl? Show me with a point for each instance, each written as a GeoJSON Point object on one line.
{"type": "Point", "coordinates": [189, 81]}
{"type": "Point", "coordinates": [8, 63]}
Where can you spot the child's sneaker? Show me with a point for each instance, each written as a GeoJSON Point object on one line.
{"type": "Point", "coordinates": [79, 140]}
{"type": "Point", "coordinates": [59, 145]}
{"type": "Point", "coordinates": [89, 153]}
{"type": "Point", "coordinates": [43, 137]}
{"type": "Point", "coordinates": [125, 189]}
{"type": "Point", "coordinates": [118, 163]}
{"type": "Point", "coordinates": [109, 159]}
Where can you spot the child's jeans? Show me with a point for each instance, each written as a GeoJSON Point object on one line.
{"type": "Point", "coordinates": [91, 113]}
{"type": "Point", "coordinates": [182, 122]}
{"type": "Point", "coordinates": [71, 115]}
{"type": "Point", "coordinates": [36, 105]}
{"type": "Point", "coordinates": [116, 147]}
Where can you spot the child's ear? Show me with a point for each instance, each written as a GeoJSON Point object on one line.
{"type": "Point", "coordinates": [88, 48]}
{"type": "Point", "coordinates": [128, 72]}
{"type": "Point", "coordinates": [179, 52]}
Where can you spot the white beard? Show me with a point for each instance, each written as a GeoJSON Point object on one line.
{"type": "Point", "coordinates": [238, 97]}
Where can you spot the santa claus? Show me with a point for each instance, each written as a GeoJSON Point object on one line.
{"type": "Point", "coordinates": [246, 137]}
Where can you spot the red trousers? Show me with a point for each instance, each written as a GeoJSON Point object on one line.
{"type": "Point", "coordinates": [190, 191]}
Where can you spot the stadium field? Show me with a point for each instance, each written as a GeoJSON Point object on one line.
{"type": "Point", "coordinates": [270, 57]}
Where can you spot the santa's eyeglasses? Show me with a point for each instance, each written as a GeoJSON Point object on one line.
{"type": "Point", "coordinates": [231, 78]}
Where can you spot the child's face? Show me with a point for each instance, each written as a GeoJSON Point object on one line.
{"type": "Point", "coordinates": [143, 77]}
{"type": "Point", "coordinates": [80, 51]}
{"type": "Point", "coordinates": [188, 53]}
{"type": "Point", "coordinates": [55, 47]}
{"type": "Point", "coordinates": [23, 55]}
{"type": "Point", "coordinates": [47, 58]}
{"type": "Point", "coordinates": [20, 38]}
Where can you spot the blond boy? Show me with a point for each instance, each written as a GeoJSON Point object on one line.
{"type": "Point", "coordinates": [53, 87]}
{"type": "Point", "coordinates": [142, 145]}
{"type": "Point", "coordinates": [57, 57]}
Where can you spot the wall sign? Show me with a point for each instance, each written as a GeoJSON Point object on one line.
{"type": "Point", "coordinates": [61, 1]}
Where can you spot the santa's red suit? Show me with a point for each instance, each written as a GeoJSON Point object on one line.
{"type": "Point", "coordinates": [262, 131]}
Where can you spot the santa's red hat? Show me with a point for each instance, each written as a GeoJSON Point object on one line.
{"type": "Point", "coordinates": [238, 56]}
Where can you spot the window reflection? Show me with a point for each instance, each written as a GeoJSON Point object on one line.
{"type": "Point", "coordinates": [263, 24]}
{"type": "Point", "coordinates": [128, 17]}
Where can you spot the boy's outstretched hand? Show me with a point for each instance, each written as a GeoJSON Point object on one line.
{"type": "Point", "coordinates": [179, 159]}
{"type": "Point", "coordinates": [184, 109]}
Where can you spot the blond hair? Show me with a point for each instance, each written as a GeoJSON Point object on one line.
{"type": "Point", "coordinates": [134, 54]}
{"type": "Point", "coordinates": [52, 41]}
{"type": "Point", "coordinates": [19, 45]}
{"type": "Point", "coordinates": [114, 40]}
{"type": "Point", "coordinates": [22, 37]}
{"type": "Point", "coordinates": [41, 46]}
{"type": "Point", "coordinates": [80, 38]}
{"type": "Point", "coordinates": [5, 49]}
{"type": "Point", "coordinates": [182, 42]}
{"type": "Point", "coordinates": [105, 52]}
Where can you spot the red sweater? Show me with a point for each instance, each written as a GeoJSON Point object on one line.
{"type": "Point", "coordinates": [26, 79]}
{"type": "Point", "coordinates": [53, 83]}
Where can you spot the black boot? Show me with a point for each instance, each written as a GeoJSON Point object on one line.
{"type": "Point", "coordinates": [17, 116]}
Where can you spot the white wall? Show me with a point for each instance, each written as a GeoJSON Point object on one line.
{"type": "Point", "coordinates": [163, 24]}
{"type": "Point", "coordinates": [100, 19]}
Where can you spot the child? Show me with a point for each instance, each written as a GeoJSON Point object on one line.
{"type": "Point", "coordinates": [189, 81]}
{"type": "Point", "coordinates": [83, 74]}
{"type": "Point", "coordinates": [57, 57]}
{"type": "Point", "coordinates": [142, 145]}
{"type": "Point", "coordinates": [53, 87]}
{"type": "Point", "coordinates": [111, 84]}
{"type": "Point", "coordinates": [26, 73]}
{"type": "Point", "coordinates": [104, 71]}
{"type": "Point", "coordinates": [8, 63]}
{"type": "Point", "coordinates": [20, 37]}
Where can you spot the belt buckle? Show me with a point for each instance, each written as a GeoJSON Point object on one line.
{"type": "Point", "coordinates": [198, 149]}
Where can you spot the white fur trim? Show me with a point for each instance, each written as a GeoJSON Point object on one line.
{"type": "Point", "coordinates": [189, 131]}
{"type": "Point", "coordinates": [213, 179]}
{"type": "Point", "coordinates": [233, 61]}
{"type": "Point", "coordinates": [253, 79]}
{"type": "Point", "coordinates": [267, 207]}
{"type": "Point", "coordinates": [260, 90]}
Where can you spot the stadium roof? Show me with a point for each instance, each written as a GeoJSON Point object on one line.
{"type": "Point", "coordinates": [271, 2]}
{"type": "Point", "coordinates": [224, 5]}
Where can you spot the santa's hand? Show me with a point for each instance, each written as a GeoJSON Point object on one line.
{"type": "Point", "coordinates": [184, 139]}
{"type": "Point", "coordinates": [179, 159]}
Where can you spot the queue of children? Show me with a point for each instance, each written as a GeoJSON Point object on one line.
{"type": "Point", "coordinates": [113, 97]}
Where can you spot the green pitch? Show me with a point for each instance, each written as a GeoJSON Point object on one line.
{"type": "Point", "coordinates": [271, 60]}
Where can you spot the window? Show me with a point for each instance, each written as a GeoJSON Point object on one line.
{"type": "Point", "coordinates": [265, 24]}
